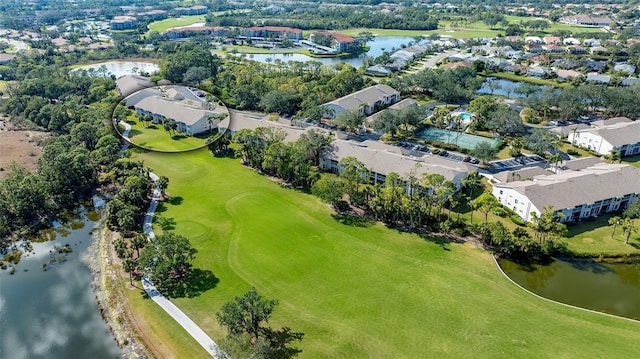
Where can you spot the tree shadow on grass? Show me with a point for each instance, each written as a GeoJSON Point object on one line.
{"type": "Point", "coordinates": [134, 132]}
{"type": "Point", "coordinates": [166, 223]}
{"type": "Point", "coordinates": [161, 208]}
{"type": "Point", "coordinates": [175, 201]}
{"type": "Point", "coordinates": [440, 239]}
{"type": "Point", "coordinates": [178, 137]}
{"type": "Point", "coordinates": [352, 220]}
{"type": "Point", "coordinates": [197, 282]}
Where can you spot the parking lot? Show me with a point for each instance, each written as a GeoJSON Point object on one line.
{"type": "Point", "coordinates": [517, 162]}
{"type": "Point", "coordinates": [414, 147]}
{"type": "Point", "coordinates": [441, 153]}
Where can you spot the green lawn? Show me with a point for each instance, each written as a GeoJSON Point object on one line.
{"type": "Point", "coordinates": [567, 146]}
{"type": "Point", "coordinates": [157, 139]}
{"type": "Point", "coordinates": [595, 238]}
{"type": "Point", "coordinates": [554, 26]}
{"type": "Point", "coordinates": [163, 25]}
{"type": "Point", "coordinates": [461, 30]}
{"type": "Point", "coordinates": [357, 290]}
{"type": "Point", "coordinates": [456, 33]}
{"type": "Point", "coordinates": [632, 160]}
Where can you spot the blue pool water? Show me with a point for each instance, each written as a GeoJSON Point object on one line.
{"type": "Point", "coordinates": [465, 116]}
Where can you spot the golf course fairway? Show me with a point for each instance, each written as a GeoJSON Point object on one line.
{"type": "Point", "coordinates": [356, 289]}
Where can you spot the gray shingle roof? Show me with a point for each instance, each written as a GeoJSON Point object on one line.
{"type": "Point", "coordinates": [241, 120]}
{"type": "Point", "coordinates": [176, 110]}
{"type": "Point", "coordinates": [573, 188]}
{"type": "Point", "coordinates": [369, 95]}
{"type": "Point", "coordinates": [132, 83]}
{"type": "Point", "coordinates": [521, 174]}
{"type": "Point", "coordinates": [619, 134]}
{"type": "Point", "coordinates": [611, 121]}
{"type": "Point", "coordinates": [384, 159]}
{"type": "Point", "coordinates": [581, 163]}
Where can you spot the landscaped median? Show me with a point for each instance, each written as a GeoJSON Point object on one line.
{"type": "Point", "coordinates": [355, 288]}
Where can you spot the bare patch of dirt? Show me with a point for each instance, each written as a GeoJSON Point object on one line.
{"type": "Point", "coordinates": [23, 147]}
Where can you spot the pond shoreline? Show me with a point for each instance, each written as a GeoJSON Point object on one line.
{"type": "Point", "coordinates": [108, 294]}
{"type": "Point", "coordinates": [150, 60]}
{"type": "Point", "coordinates": [495, 259]}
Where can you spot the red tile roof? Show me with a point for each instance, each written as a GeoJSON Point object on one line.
{"type": "Point", "coordinates": [338, 37]}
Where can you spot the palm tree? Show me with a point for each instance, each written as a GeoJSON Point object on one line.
{"type": "Point", "coordinates": [574, 130]}
{"type": "Point", "coordinates": [615, 156]}
{"type": "Point", "coordinates": [163, 183]}
{"type": "Point", "coordinates": [614, 221]}
{"type": "Point", "coordinates": [129, 264]}
{"type": "Point", "coordinates": [555, 158]}
{"type": "Point", "coordinates": [628, 228]}
{"type": "Point", "coordinates": [138, 241]}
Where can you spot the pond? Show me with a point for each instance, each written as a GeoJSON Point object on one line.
{"type": "Point", "coordinates": [496, 86]}
{"type": "Point", "coordinates": [53, 313]}
{"type": "Point", "coordinates": [120, 68]}
{"type": "Point", "coordinates": [376, 48]}
{"type": "Point", "coordinates": [610, 288]}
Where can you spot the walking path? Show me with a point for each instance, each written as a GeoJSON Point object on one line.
{"type": "Point", "coordinates": [125, 134]}
{"type": "Point", "coordinates": [179, 316]}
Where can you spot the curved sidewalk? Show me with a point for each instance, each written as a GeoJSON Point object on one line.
{"type": "Point", "coordinates": [189, 325]}
{"type": "Point", "coordinates": [178, 315]}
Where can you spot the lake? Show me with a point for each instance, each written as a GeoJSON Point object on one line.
{"type": "Point", "coordinates": [496, 86]}
{"type": "Point", "coordinates": [611, 288]}
{"type": "Point", "coordinates": [120, 68]}
{"type": "Point", "coordinates": [53, 313]}
{"type": "Point", "coordinates": [376, 48]}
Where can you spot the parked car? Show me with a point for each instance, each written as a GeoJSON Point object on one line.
{"type": "Point", "coordinates": [475, 161]}
{"type": "Point", "coordinates": [466, 159]}
{"type": "Point", "coordinates": [443, 153]}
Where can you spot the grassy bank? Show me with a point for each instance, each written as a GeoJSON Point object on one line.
{"type": "Point", "coordinates": [356, 289]}
{"type": "Point", "coordinates": [595, 238]}
{"type": "Point", "coordinates": [164, 25]}
{"type": "Point", "coordinates": [156, 138]}
{"type": "Point", "coordinates": [514, 77]}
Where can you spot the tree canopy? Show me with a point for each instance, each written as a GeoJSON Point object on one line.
{"type": "Point", "coordinates": [166, 260]}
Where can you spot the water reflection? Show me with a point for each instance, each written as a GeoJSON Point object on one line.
{"type": "Point", "coordinates": [508, 88]}
{"type": "Point", "coordinates": [611, 288]}
{"type": "Point", "coordinates": [376, 48]}
{"type": "Point", "coordinates": [53, 313]}
{"type": "Point", "coordinates": [119, 68]}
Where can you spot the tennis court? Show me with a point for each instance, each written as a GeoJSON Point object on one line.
{"type": "Point", "coordinates": [460, 139]}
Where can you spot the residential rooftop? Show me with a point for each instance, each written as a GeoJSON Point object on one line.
{"type": "Point", "coordinates": [569, 189]}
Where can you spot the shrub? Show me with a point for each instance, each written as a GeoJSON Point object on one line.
{"type": "Point", "coordinates": [462, 232]}
{"type": "Point", "coordinates": [517, 220]}
{"type": "Point", "coordinates": [342, 205]}
{"type": "Point", "coordinates": [573, 152]}
{"type": "Point", "coordinates": [499, 211]}
{"type": "Point", "coordinates": [514, 152]}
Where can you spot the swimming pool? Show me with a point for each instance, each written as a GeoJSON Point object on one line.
{"type": "Point", "coordinates": [465, 116]}
{"type": "Point", "coordinates": [460, 139]}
